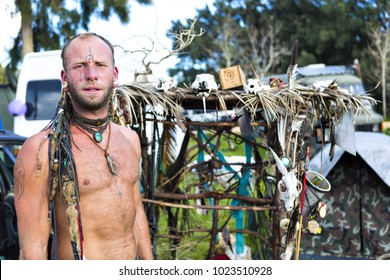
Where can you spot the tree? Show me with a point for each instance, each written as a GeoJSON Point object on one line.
{"type": "Point", "coordinates": [45, 23]}
{"type": "Point", "coordinates": [380, 50]}
{"type": "Point", "coordinates": [237, 34]}
{"type": "Point", "coordinates": [182, 40]}
{"type": "Point", "coordinates": [259, 33]}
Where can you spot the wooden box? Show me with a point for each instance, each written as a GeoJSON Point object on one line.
{"type": "Point", "coordinates": [231, 77]}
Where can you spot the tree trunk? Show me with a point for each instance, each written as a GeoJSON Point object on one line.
{"type": "Point", "coordinates": [386, 51]}
{"type": "Point", "coordinates": [27, 33]}
{"type": "Point", "coordinates": [384, 108]}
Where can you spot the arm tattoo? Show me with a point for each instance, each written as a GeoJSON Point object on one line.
{"type": "Point", "coordinates": [19, 178]}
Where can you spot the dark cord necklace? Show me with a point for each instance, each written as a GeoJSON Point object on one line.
{"type": "Point", "coordinates": [95, 127]}
{"type": "Point", "coordinates": [112, 165]}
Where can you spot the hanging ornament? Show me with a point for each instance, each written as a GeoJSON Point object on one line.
{"type": "Point", "coordinates": [323, 132]}
{"type": "Point", "coordinates": [321, 209]}
{"type": "Point", "coordinates": [313, 227]}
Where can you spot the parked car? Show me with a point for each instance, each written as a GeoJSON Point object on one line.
{"type": "Point", "coordinates": [10, 144]}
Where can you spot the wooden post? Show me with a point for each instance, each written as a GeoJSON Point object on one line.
{"type": "Point", "coordinates": [278, 214]}
{"type": "Point", "coordinates": [214, 231]}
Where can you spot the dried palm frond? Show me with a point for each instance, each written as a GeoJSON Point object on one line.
{"type": "Point", "coordinates": [288, 99]}
{"type": "Point", "coordinates": [332, 102]}
{"type": "Point", "coordinates": [222, 104]}
{"type": "Point", "coordinates": [130, 98]}
{"type": "Point", "coordinates": [265, 100]}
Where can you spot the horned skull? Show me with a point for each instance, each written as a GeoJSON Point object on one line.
{"type": "Point", "coordinates": [165, 84]}
{"type": "Point", "coordinates": [288, 186]}
{"type": "Point", "coordinates": [204, 84]}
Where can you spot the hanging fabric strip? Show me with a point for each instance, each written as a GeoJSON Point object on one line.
{"type": "Point", "coordinates": [244, 191]}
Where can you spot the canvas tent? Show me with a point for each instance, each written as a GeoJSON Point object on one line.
{"type": "Point", "coordinates": [357, 224]}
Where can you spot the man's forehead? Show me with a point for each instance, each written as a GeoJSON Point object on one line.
{"type": "Point", "coordinates": [89, 48]}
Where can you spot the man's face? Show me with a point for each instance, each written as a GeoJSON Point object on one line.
{"type": "Point", "coordinates": [90, 73]}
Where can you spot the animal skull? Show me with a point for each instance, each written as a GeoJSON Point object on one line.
{"type": "Point", "coordinates": [254, 85]}
{"type": "Point", "coordinates": [165, 84]}
{"type": "Point", "coordinates": [204, 84]}
{"type": "Point", "coordinates": [288, 190]}
{"type": "Point", "coordinates": [288, 185]}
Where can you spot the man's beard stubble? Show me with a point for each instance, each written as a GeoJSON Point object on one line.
{"type": "Point", "coordinates": [87, 104]}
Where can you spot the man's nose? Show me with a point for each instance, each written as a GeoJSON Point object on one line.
{"type": "Point", "coordinates": [91, 73]}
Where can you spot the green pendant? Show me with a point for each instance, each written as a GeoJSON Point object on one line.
{"type": "Point", "coordinates": [97, 136]}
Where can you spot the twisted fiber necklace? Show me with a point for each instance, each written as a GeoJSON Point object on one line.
{"type": "Point", "coordinates": [112, 165]}
{"type": "Point", "coordinates": [91, 126]}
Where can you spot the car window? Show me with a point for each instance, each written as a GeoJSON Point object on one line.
{"type": "Point", "coordinates": [357, 89]}
{"type": "Point", "coordinates": [42, 98]}
{"type": "Point", "coordinates": [8, 153]}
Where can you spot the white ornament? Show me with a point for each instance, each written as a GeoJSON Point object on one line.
{"type": "Point", "coordinates": [165, 84]}
{"type": "Point", "coordinates": [204, 84]}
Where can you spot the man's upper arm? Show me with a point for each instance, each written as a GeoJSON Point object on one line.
{"type": "Point", "coordinates": [31, 201]}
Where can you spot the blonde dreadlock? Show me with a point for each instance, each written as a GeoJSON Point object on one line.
{"type": "Point", "coordinates": [62, 173]}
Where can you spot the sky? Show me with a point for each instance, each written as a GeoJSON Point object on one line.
{"type": "Point", "coordinates": [145, 22]}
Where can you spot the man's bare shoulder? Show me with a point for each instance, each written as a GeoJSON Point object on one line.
{"type": "Point", "coordinates": [34, 143]}
{"type": "Point", "coordinates": [131, 136]}
{"type": "Point", "coordinates": [36, 140]}
{"type": "Point", "coordinates": [124, 129]}
{"type": "Point", "coordinates": [30, 174]}
{"type": "Point", "coordinates": [128, 133]}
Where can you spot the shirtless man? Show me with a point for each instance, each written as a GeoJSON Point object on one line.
{"type": "Point", "coordinates": [114, 225]}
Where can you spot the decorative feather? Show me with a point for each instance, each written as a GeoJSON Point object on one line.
{"type": "Point", "coordinates": [245, 125]}
{"type": "Point", "coordinates": [226, 237]}
{"type": "Point", "coordinates": [292, 69]}
{"type": "Point", "coordinates": [292, 234]}
{"type": "Point", "coordinates": [281, 128]}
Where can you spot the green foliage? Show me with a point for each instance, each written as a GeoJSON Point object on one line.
{"type": "Point", "coordinates": [330, 32]}
{"type": "Point", "coordinates": [52, 22]}
{"type": "Point", "coordinates": [3, 76]}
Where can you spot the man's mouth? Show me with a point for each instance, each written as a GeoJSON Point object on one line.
{"type": "Point", "coordinates": [92, 89]}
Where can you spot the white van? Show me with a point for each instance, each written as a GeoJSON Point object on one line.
{"type": "Point", "coordinates": [39, 88]}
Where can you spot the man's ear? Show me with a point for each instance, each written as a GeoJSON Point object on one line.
{"type": "Point", "coordinates": [64, 80]}
{"type": "Point", "coordinates": [115, 81]}
{"type": "Point", "coordinates": [63, 75]}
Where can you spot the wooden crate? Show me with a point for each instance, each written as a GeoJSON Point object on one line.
{"type": "Point", "coordinates": [231, 77]}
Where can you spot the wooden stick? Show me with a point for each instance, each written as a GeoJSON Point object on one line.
{"type": "Point", "coordinates": [186, 206]}
{"type": "Point", "coordinates": [302, 204]}
{"type": "Point", "coordinates": [211, 194]}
